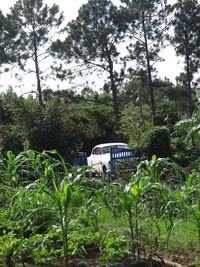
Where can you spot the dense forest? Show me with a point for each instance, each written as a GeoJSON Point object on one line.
{"type": "Point", "coordinates": [134, 104]}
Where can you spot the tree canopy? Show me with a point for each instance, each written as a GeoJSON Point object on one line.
{"type": "Point", "coordinates": [186, 39]}
{"type": "Point", "coordinates": [92, 42]}
{"type": "Point", "coordinates": [146, 26]}
{"type": "Point", "coordinates": [36, 24]}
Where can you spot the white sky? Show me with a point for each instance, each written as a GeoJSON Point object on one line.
{"type": "Point", "coordinates": [169, 68]}
{"type": "Point", "coordinates": [69, 7]}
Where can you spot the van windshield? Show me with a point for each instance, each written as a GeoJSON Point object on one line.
{"type": "Point", "coordinates": [106, 149]}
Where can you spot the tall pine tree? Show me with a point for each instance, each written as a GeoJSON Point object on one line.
{"type": "Point", "coordinates": [37, 23]}
{"type": "Point", "coordinates": [8, 31]}
{"type": "Point", "coordinates": [147, 23]}
{"type": "Point", "coordinates": [186, 40]}
{"type": "Point", "coordinates": [92, 42]}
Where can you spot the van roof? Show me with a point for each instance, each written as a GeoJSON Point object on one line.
{"type": "Point", "coordinates": [111, 144]}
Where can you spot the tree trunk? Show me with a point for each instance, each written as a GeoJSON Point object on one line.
{"type": "Point", "coordinates": [114, 91]}
{"type": "Point", "coordinates": [37, 72]}
{"type": "Point", "coordinates": [189, 77]}
{"type": "Point", "coordinates": [115, 105]}
{"type": "Point", "coordinates": [150, 84]}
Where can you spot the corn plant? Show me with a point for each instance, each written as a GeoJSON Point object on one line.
{"type": "Point", "coordinates": [132, 202]}
{"type": "Point", "coordinates": [54, 191]}
{"type": "Point", "coordinates": [189, 199]}
{"type": "Point", "coordinates": [64, 198]}
{"type": "Point", "coordinates": [161, 170]}
{"type": "Point", "coordinates": [31, 165]}
{"type": "Point", "coordinates": [170, 212]}
{"type": "Point", "coordinates": [149, 194]}
{"type": "Point", "coordinates": [30, 211]}
{"type": "Point", "coordinates": [9, 166]}
{"type": "Point", "coordinates": [29, 205]}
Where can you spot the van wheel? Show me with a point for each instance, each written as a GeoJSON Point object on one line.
{"type": "Point", "coordinates": [104, 170]}
{"type": "Point", "coordinates": [106, 173]}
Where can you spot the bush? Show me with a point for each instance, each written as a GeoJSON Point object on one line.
{"type": "Point", "coordinates": [157, 142]}
{"type": "Point", "coordinates": [183, 154]}
{"type": "Point", "coordinates": [166, 114]}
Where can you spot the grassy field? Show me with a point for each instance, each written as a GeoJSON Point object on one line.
{"type": "Point", "coordinates": [183, 238]}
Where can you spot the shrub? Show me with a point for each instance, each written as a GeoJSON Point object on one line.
{"type": "Point", "coordinates": [157, 142]}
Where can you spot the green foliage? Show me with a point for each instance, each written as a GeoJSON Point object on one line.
{"type": "Point", "coordinates": [135, 90]}
{"type": "Point", "coordinates": [113, 246]}
{"type": "Point", "coordinates": [92, 42]}
{"type": "Point", "coordinates": [39, 247]}
{"type": "Point", "coordinates": [166, 114]}
{"type": "Point", "coordinates": [67, 123]}
{"type": "Point", "coordinates": [36, 25]}
{"type": "Point", "coordinates": [157, 142]}
{"type": "Point", "coordinates": [135, 121]}
{"type": "Point", "coordinates": [9, 169]}
{"type": "Point", "coordinates": [80, 239]}
{"type": "Point", "coordinates": [161, 169]}
{"type": "Point", "coordinates": [146, 25]}
{"type": "Point", "coordinates": [156, 189]}
{"type": "Point", "coordinates": [8, 31]}
{"type": "Point", "coordinates": [191, 127]}
{"type": "Point", "coordinates": [186, 23]}
{"type": "Point", "coordinates": [188, 192]}
{"type": "Point", "coordinates": [57, 215]}
{"type": "Point", "coordinates": [30, 165]}
{"type": "Point", "coordinates": [147, 31]}
{"type": "Point", "coordinates": [152, 193]}
{"type": "Point", "coordinates": [48, 210]}
{"type": "Point", "coordinates": [132, 207]}
{"type": "Point", "coordinates": [36, 128]}
{"type": "Point", "coordinates": [185, 142]}
{"type": "Point", "coordinates": [65, 197]}
{"type": "Point", "coordinates": [9, 249]}
{"type": "Point", "coordinates": [95, 123]}
{"type": "Point", "coordinates": [89, 43]}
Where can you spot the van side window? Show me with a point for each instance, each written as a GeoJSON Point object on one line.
{"type": "Point", "coordinates": [97, 151]}
{"type": "Point", "coordinates": [106, 150]}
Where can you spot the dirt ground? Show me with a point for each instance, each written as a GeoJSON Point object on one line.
{"type": "Point", "coordinates": [92, 260]}
{"type": "Point", "coordinates": [176, 260]}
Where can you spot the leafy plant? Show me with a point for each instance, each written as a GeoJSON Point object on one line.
{"type": "Point", "coordinates": [63, 196]}
{"type": "Point", "coordinates": [170, 212]}
{"type": "Point", "coordinates": [39, 248]}
{"type": "Point", "coordinates": [9, 167]}
{"type": "Point", "coordinates": [9, 249]}
{"type": "Point", "coordinates": [191, 127]}
{"type": "Point", "coordinates": [113, 246]}
{"type": "Point", "coordinates": [188, 197]}
{"type": "Point", "coordinates": [131, 202]}
{"type": "Point", "coordinates": [135, 122]}
{"type": "Point", "coordinates": [82, 241]}
{"type": "Point", "coordinates": [157, 142]}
